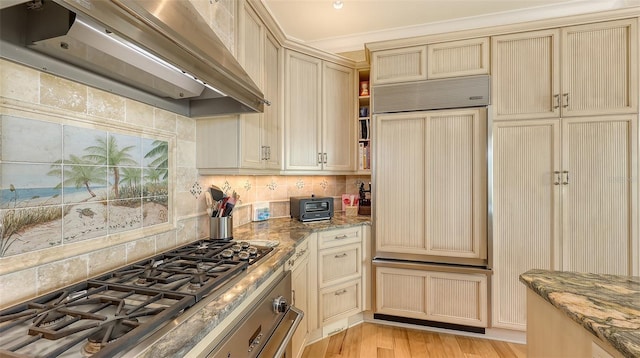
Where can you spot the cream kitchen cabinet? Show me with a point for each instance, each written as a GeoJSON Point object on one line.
{"type": "Point", "coordinates": [431, 179]}
{"type": "Point", "coordinates": [303, 287]}
{"type": "Point", "coordinates": [399, 65]}
{"type": "Point", "coordinates": [341, 264]}
{"type": "Point", "coordinates": [242, 143]}
{"type": "Point", "coordinates": [565, 198]}
{"type": "Point", "coordinates": [573, 71]}
{"type": "Point", "coordinates": [319, 131]}
{"type": "Point", "coordinates": [433, 295]}
{"type": "Point", "coordinates": [458, 58]}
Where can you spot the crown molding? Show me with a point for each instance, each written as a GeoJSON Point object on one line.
{"type": "Point", "coordinates": [557, 11]}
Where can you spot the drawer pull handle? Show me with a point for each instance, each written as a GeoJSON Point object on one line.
{"type": "Point", "coordinates": [344, 254]}
{"type": "Point", "coordinates": [292, 262]}
{"type": "Point", "coordinates": [341, 292]}
{"type": "Point", "coordinates": [336, 331]}
{"type": "Point", "coordinates": [341, 237]}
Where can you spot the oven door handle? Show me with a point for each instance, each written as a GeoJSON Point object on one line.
{"type": "Point", "coordinates": [279, 340]}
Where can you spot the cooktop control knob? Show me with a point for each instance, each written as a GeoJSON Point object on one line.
{"type": "Point", "coordinates": [280, 305]}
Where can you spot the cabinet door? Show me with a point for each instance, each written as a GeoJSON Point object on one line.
{"type": "Point", "coordinates": [338, 143]}
{"type": "Point", "coordinates": [251, 49]}
{"type": "Point", "coordinates": [451, 297]}
{"type": "Point", "coordinates": [251, 132]}
{"type": "Point", "coordinates": [600, 195]}
{"type": "Point", "coordinates": [600, 68]}
{"type": "Point", "coordinates": [526, 212]}
{"type": "Point", "coordinates": [299, 285]}
{"type": "Point", "coordinates": [455, 183]}
{"type": "Point", "coordinates": [431, 185]}
{"type": "Point", "coordinates": [399, 65]}
{"type": "Point", "coordinates": [458, 58]}
{"type": "Point", "coordinates": [271, 127]}
{"type": "Point", "coordinates": [213, 152]}
{"type": "Point", "coordinates": [302, 112]}
{"type": "Point", "coordinates": [525, 75]}
{"type": "Point", "coordinates": [400, 157]}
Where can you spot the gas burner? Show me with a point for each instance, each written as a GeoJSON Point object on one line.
{"type": "Point", "coordinates": [197, 281]}
{"type": "Point", "coordinates": [252, 250]}
{"type": "Point", "coordinates": [244, 255]}
{"type": "Point", "coordinates": [244, 244]}
{"type": "Point", "coordinates": [147, 276]}
{"type": "Point", "coordinates": [236, 248]}
{"type": "Point", "coordinates": [227, 254]}
{"type": "Point", "coordinates": [107, 333]}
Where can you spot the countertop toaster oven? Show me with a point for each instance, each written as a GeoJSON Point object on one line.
{"type": "Point", "coordinates": [311, 208]}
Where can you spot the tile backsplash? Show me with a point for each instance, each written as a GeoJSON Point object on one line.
{"type": "Point", "coordinates": [277, 190]}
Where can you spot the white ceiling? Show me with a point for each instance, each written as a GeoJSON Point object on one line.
{"type": "Point", "coordinates": [318, 24]}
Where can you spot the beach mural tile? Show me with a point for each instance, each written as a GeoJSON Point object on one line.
{"type": "Point", "coordinates": [27, 140]}
{"type": "Point", "coordinates": [78, 183]}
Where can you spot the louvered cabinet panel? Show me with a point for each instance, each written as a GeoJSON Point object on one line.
{"type": "Point", "coordinates": [338, 111]}
{"type": "Point", "coordinates": [525, 75]}
{"type": "Point", "coordinates": [399, 65]}
{"type": "Point", "coordinates": [457, 298]}
{"type": "Point", "coordinates": [252, 45]}
{"type": "Point", "coordinates": [303, 83]}
{"type": "Point", "coordinates": [272, 129]}
{"type": "Point", "coordinates": [339, 264]}
{"type": "Point", "coordinates": [526, 212]}
{"type": "Point", "coordinates": [456, 183]}
{"type": "Point", "coordinates": [600, 199]}
{"type": "Point", "coordinates": [400, 185]}
{"type": "Point", "coordinates": [458, 58]}
{"type": "Point", "coordinates": [419, 292]}
{"type": "Point", "coordinates": [340, 301]}
{"type": "Point", "coordinates": [600, 68]}
{"type": "Point", "coordinates": [401, 292]}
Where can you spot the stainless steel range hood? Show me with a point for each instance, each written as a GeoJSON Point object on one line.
{"type": "Point", "coordinates": [158, 52]}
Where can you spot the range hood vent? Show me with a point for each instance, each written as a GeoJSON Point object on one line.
{"type": "Point", "coordinates": [158, 52]}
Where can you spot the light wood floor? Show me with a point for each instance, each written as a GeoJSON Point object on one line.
{"type": "Point", "coordinates": [369, 340]}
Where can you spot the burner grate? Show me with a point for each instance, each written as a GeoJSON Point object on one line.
{"type": "Point", "coordinates": [72, 316]}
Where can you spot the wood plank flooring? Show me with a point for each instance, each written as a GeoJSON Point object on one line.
{"type": "Point", "coordinates": [370, 340]}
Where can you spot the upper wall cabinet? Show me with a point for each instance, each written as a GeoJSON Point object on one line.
{"type": "Point", "coordinates": [399, 65]}
{"type": "Point", "coordinates": [574, 71]}
{"type": "Point", "coordinates": [319, 130]}
{"type": "Point", "coordinates": [458, 58]}
{"type": "Point", "coordinates": [242, 143]}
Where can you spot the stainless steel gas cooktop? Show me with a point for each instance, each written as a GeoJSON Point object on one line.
{"type": "Point", "coordinates": [110, 314]}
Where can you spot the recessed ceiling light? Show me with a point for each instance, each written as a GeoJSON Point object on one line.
{"type": "Point", "coordinates": [338, 4]}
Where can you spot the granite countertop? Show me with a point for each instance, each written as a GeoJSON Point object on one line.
{"type": "Point", "coordinates": [208, 314]}
{"type": "Point", "coordinates": [608, 306]}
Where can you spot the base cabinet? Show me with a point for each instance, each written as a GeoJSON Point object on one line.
{"type": "Point", "coordinates": [301, 281]}
{"type": "Point", "coordinates": [550, 333]}
{"type": "Point", "coordinates": [448, 297]}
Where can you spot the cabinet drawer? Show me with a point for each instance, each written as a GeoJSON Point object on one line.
{"type": "Point", "coordinates": [339, 237]}
{"type": "Point", "coordinates": [340, 301]}
{"type": "Point", "coordinates": [301, 250]}
{"type": "Point", "coordinates": [340, 264]}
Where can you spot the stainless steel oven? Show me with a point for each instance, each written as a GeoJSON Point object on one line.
{"type": "Point", "coordinates": [267, 327]}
